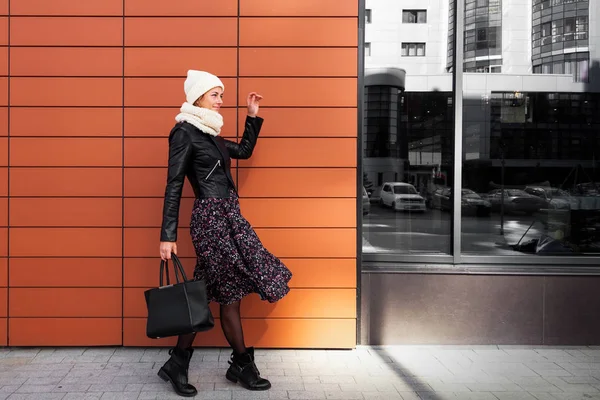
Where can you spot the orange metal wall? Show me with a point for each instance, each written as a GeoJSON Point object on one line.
{"type": "Point", "coordinates": [89, 90]}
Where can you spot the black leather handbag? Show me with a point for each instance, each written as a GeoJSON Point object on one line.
{"type": "Point", "coordinates": [179, 308]}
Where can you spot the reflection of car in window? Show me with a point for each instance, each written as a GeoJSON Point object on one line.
{"type": "Point", "coordinates": [515, 200]}
{"type": "Point", "coordinates": [554, 198]}
{"type": "Point", "coordinates": [471, 202]}
{"type": "Point", "coordinates": [401, 196]}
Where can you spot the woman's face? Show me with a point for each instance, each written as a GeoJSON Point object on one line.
{"type": "Point", "coordinates": [213, 99]}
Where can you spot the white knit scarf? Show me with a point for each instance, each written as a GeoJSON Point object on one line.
{"type": "Point", "coordinates": [206, 120]}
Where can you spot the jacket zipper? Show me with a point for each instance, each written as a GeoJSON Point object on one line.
{"type": "Point", "coordinates": [213, 170]}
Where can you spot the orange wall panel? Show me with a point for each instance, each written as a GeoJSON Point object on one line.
{"type": "Point", "coordinates": [146, 152]}
{"type": "Point", "coordinates": [3, 31]}
{"type": "Point", "coordinates": [291, 32]}
{"type": "Point", "coordinates": [66, 121]}
{"type": "Point", "coordinates": [322, 272]}
{"type": "Point", "coordinates": [3, 121]}
{"type": "Point", "coordinates": [265, 333]}
{"type": "Point", "coordinates": [56, 61]}
{"type": "Point", "coordinates": [4, 271]}
{"type": "Point", "coordinates": [314, 8]}
{"type": "Point", "coordinates": [66, 7]}
{"type": "Point", "coordinates": [3, 181]}
{"type": "Point", "coordinates": [300, 213]}
{"type": "Point", "coordinates": [3, 61]}
{"type": "Point", "coordinates": [3, 331]}
{"type": "Point", "coordinates": [324, 242]}
{"type": "Point", "coordinates": [144, 272]}
{"type": "Point", "coordinates": [66, 31]}
{"type": "Point", "coordinates": [149, 182]}
{"type": "Point", "coordinates": [4, 91]}
{"type": "Point", "coordinates": [176, 61]}
{"type": "Point", "coordinates": [82, 242]}
{"type": "Point", "coordinates": [59, 182]}
{"type": "Point", "coordinates": [298, 62]}
{"type": "Point", "coordinates": [66, 212]}
{"type": "Point", "coordinates": [181, 7]}
{"type": "Point", "coordinates": [3, 242]}
{"type": "Point", "coordinates": [65, 331]}
{"type": "Point", "coordinates": [65, 272]}
{"type": "Point", "coordinates": [3, 302]}
{"type": "Point", "coordinates": [297, 182]}
{"type": "Point", "coordinates": [291, 122]}
{"type": "Point", "coordinates": [165, 92]}
{"type": "Point", "coordinates": [4, 7]}
{"type": "Point", "coordinates": [301, 152]}
{"type": "Point", "coordinates": [143, 242]}
{"type": "Point", "coordinates": [3, 211]}
{"type": "Point", "coordinates": [65, 302]}
{"type": "Point", "coordinates": [4, 152]}
{"type": "Point", "coordinates": [65, 152]}
{"type": "Point", "coordinates": [147, 212]}
{"type": "Point", "coordinates": [159, 121]}
{"type": "Point", "coordinates": [66, 92]}
{"type": "Point", "coordinates": [183, 31]}
{"type": "Point", "coordinates": [304, 92]}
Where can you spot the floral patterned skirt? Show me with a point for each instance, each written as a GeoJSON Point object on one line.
{"type": "Point", "coordinates": [231, 258]}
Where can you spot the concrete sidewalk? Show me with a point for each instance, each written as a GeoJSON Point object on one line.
{"type": "Point", "coordinates": [396, 372]}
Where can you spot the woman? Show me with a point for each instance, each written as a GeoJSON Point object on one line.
{"type": "Point", "coordinates": [231, 258]}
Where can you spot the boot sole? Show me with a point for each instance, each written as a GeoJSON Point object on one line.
{"type": "Point", "coordinates": [232, 378]}
{"type": "Point", "coordinates": [163, 375]}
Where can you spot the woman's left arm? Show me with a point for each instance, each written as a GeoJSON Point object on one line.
{"type": "Point", "coordinates": [244, 149]}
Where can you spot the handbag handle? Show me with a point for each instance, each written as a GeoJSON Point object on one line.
{"type": "Point", "coordinates": [177, 267]}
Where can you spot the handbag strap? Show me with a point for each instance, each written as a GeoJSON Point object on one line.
{"type": "Point", "coordinates": [164, 267]}
{"type": "Point", "coordinates": [177, 267]}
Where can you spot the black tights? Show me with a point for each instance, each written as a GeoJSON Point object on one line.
{"type": "Point", "coordinates": [231, 323]}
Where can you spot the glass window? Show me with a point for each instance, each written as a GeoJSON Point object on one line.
{"type": "Point", "coordinates": [414, 16]}
{"type": "Point", "coordinates": [530, 153]}
{"type": "Point", "coordinates": [413, 49]}
{"type": "Point", "coordinates": [533, 170]}
{"type": "Point", "coordinates": [368, 16]}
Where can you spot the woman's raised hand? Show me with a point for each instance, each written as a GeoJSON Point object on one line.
{"type": "Point", "coordinates": [253, 100]}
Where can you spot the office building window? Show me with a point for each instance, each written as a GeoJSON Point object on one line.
{"type": "Point", "coordinates": [367, 16]}
{"type": "Point", "coordinates": [575, 64]}
{"type": "Point", "coordinates": [367, 49]}
{"type": "Point", "coordinates": [414, 16]}
{"type": "Point", "coordinates": [413, 50]}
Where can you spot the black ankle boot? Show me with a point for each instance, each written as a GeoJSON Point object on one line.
{"type": "Point", "coordinates": [243, 369]}
{"type": "Point", "coordinates": [175, 371]}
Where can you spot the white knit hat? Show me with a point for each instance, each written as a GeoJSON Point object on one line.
{"type": "Point", "coordinates": [198, 83]}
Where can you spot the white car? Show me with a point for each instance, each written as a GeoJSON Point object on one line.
{"type": "Point", "coordinates": [401, 196]}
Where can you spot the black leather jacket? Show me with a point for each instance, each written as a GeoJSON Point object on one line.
{"type": "Point", "coordinates": [206, 161]}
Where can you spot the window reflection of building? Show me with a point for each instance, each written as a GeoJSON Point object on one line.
{"type": "Point", "coordinates": [407, 136]}
{"type": "Point", "coordinates": [560, 41]}
{"type": "Point", "coordinates": [383, 158]}
{"type": "Point", "coordinates": [531, 132]}
{"type": "Point", "coordinates": [482, 36]}
{"type": "Point", "coordinates": [546, 127]}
